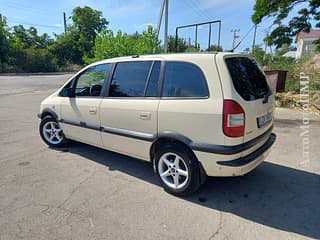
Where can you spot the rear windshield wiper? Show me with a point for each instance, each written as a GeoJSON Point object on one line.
{"type": "Point", "coordinates": [266, 97]}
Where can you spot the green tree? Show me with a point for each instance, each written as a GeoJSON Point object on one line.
{"type": "Point", "coordinates": [20, 33]}
{"type": "Point", "coordinates": [317, 42]}
{"type": "Point", "coordinates": [67, 48]}
{"type": "Point", "coordinates": [182, 45]}
{"type": "Point", "coordinates": [88, 23]}
{"type": "Point", "coordinates": [30, 38]}
{"type": "Point", "coordinates": [76, 46]}
{"type": "Point", "coordinates": [4, 44]}
{"type": "Point", "coordinates": [147, 42]}
{"type": "Point", "coordinates": [280, 9]}
{"type": "Point", "coordinates": [38, 60]}
{"type": "Point", "coordinates": [109, 45]}
{"type": "Point", "coordinates": [261, 56]}
{"type": "Point", "coordinates": [16, 55]}
{"type": "Point", "coordinates": [214, 48]}
{"type": "Point", "coordinates": [284, 49]}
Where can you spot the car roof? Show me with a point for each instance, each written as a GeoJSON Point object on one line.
{"type": "Point", "coordinates": [169, 56]}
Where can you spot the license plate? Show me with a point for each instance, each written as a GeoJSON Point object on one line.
{"type": "Point", "coordinates": [265, 119]}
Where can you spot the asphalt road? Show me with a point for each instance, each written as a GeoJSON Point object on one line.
{"type": "Point", "coordinates": [82, 192]}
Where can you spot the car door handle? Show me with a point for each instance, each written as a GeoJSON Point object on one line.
{"type": "Point", "coordinates": [92, 110]}
{"type": "Point", "coordinates": [145, 115]}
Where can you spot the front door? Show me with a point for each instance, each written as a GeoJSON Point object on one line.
{"type": "Point", "coordinates": [80, 115]}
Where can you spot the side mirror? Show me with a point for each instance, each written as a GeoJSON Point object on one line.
{"type": "Point", "coordinates": [67, 92]}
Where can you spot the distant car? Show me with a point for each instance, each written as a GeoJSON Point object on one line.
{"type": "Point", "coordinates": [192, 115]}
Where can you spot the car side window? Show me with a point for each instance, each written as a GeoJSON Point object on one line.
{"type": "Point", "coordinates": [129, 79]}
{"type": "Point", "coordinates": [184, 80]}
{"type": "Point", "coordinates": [90, 82]}
{"type": "Point", "coordinates": [64, 91]}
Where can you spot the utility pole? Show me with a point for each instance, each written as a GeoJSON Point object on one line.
{"type": "Point", "coordinates": [235, 36]}
{"type": "Point", "coordinates": [265, 46]}
{"type": "Point", "coordinates": [209, 41]}
{"type": "Point", "coordinates": [166, 28]}
{"type": "Point", "coordinates": [196, 38]}
{"type": "Point", "coordinates": [65, 23]}
{"type": "Point", "coordinates": [160, 17]}
{"type": "Point", "coordinates": [164, 5]}
{"type": "Point", "coordinates": [254, 38]}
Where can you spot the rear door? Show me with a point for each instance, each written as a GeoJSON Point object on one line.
{"type": "Point", "coordinates": [251, 84]}
{"type": "Point", "coordinates": [244, 82]}
{"type": "Point", "coordinates": [129, 113]}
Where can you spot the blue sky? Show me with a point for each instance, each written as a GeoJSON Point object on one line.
{"type": "Point", "coordinates": [134, 15]}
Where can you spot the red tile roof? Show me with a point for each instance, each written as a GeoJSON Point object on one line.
{"type": "Point", "coordinates": [305, 35]}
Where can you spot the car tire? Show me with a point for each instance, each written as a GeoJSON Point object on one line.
{"type": "Point", "coordinates": [51, 132]}
{"type": "Point", "coordinates": [177, 169]}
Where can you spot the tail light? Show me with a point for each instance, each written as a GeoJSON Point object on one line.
{"type": "Point", "coordinates": [233, 119]}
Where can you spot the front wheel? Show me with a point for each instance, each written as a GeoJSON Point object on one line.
{"type": "Point", "coordinates": [177, 169]}
{"type": "Point", "coordinates": [51, 132]}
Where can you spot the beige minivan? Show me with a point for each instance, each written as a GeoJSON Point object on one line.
{"type": "Point", "coordinates": [191, 115]}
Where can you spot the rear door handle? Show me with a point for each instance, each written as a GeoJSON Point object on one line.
{"type": "Point", "coordinates": [145, 115]}
{"type": "Point", "coordinates": [93, 110]}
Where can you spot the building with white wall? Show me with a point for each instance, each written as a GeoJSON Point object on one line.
{"type": "Point", "coordinates": [305, 43]}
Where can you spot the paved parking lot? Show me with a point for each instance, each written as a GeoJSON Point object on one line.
{"type": "Point", "coordinates": [82, 192]}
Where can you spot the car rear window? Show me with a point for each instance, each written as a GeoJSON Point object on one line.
{"type": "Point", "coordinates": [247, 78]}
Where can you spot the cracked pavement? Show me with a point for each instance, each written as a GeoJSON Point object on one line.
{"type": "Point", "coordinates": [82, 192]}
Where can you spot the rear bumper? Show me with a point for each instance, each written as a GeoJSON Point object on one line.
{"type": "Point", "coordinates": [251, 157]}
{"type": "Point", "coordinates": [219, 165]}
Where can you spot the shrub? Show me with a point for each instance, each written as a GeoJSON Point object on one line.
{"type": "Point", "coordinates": [38, 60]}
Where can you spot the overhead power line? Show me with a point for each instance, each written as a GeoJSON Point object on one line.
{"type": "Point", "coordinates": [244, 37]}
{"type": "Point", "coordinates": [19, 6]}
{"type": "Point", "coordinates": [36, 25]}
{"type": "Point", "coordinates": [197, 4]}
{"type": "Point", "coordinates": [195, 10]}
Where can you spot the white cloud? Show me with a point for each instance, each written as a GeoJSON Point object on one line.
{"type": "Point", "coordinates": [144, 26]}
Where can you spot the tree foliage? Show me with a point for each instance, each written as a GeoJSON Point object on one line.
{"type": "Point", "coordinates": [24, 50]}
{"type": "Point", "coordinates": [214, 48]}
{"type": "Point", "coordinates": [67, 48]}
{"type": "Point", "coordinates": [4, 44]}
{"type": "Point", "coordinates": [182, 45]}
{"type": "Point", "coordinates": [78, 42]}
{"type": "Point", "coordinates": [88, 23]}
{"type": "Point", "coordinates": [87, 39]}
{"type": "Point", "coordinates": [108, 44]}
{"type": "Point", "coordinates": [280, 9]}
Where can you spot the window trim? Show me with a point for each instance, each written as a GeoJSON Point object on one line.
{"type": "Point", "coordinates": [148, 79]}
{"type": "Point", "coordinates": [163, 68]}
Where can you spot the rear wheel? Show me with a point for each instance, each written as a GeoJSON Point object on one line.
{"type": "Point", "coordinates": [51, 132]}
{"type": "Point", "coordinates": [177, 169]}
